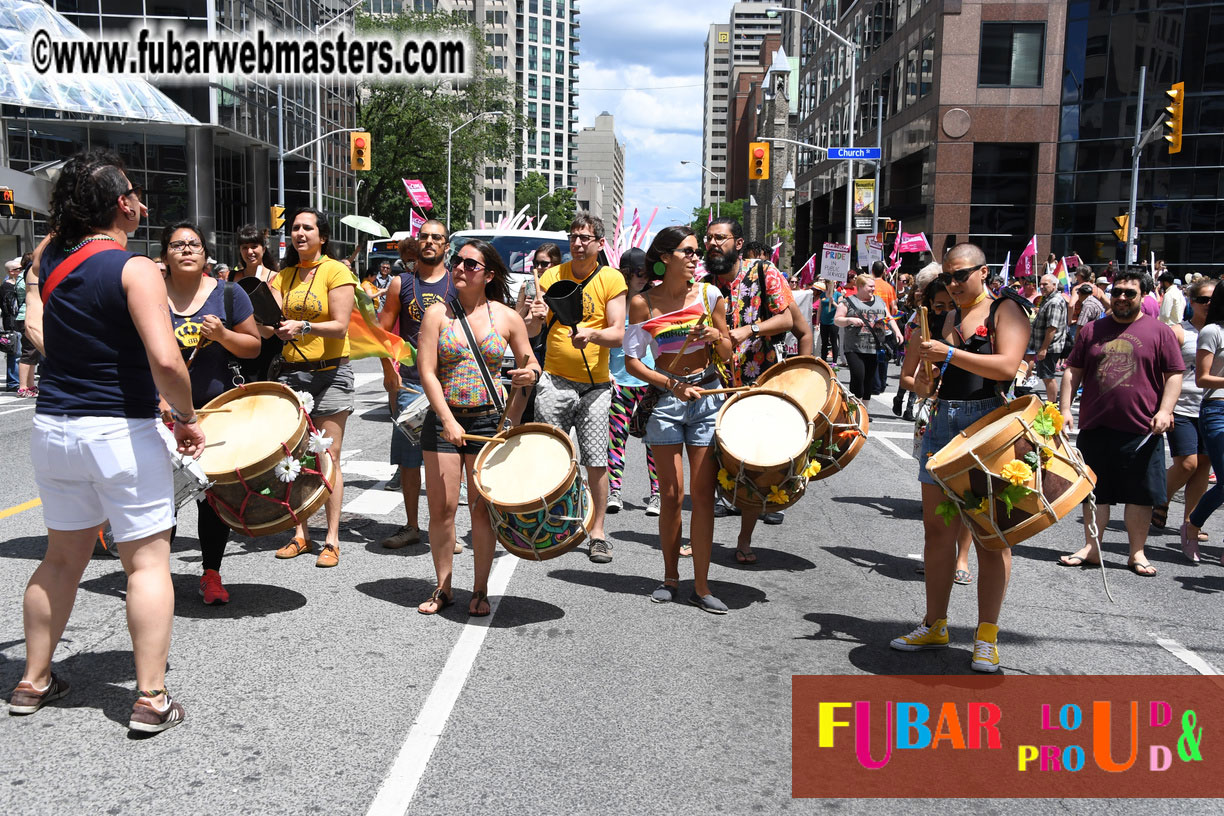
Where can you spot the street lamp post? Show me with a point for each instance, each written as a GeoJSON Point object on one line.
{"type": "Point", "coordinates": [717, 210]}
{"type": "Point", "coordinates": [853, 49]}
{"type": "Point", "coordinates": [449, 138]}
{"type": "Point", "coordinates": [545, 194]}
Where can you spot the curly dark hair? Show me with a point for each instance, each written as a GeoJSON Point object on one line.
{"type": "Point", "coordinates": [496, 289]}
{"type": "Point", "coordinates": [251, 234]}
{"type": "Point", "coordinates": [85, 196]}
{"type": "Point", "coordinates": [665, 241]}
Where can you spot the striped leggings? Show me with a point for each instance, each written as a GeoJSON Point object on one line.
{"type": "Point", "coordinates": [624, 400]}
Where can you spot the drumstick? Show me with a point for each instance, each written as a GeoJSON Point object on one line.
{"type": "Point", "coordinates": [700, 324]}
{"type": "Point", "coordinates": [497, 440]}
{"type": "Point", "coordinates": [704, 391]}
{"type": "Point", "coordinates": [924, 333]}
{"type": "Point", "coordinates": [215, 444]}
{"type": "Point", "coordinates": [213, 410]}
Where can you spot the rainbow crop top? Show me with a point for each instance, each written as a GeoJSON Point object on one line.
{"type": "Point", "coordinates": [666, 333]}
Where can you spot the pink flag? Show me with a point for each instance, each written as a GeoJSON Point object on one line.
{"type": "Point", "coordinates": [894, 259]}
{"type": "Point", "coordinates": [808, 273]}
{"type": "Point", "coordinates": [1028, 260]}
{"type": "Point", "coordinates": [416, 191]}
{"type": "Point", "coordinates": [709, 218]}
{"type": "Point", "coordinates": [777, 254]}
{"type": "Point", "coordinates": [415, 223]}
{"type": "Point", "coordinates": [907, 242]}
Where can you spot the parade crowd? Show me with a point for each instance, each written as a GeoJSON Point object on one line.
{"type": "Point", "coordinates": [123, 342]}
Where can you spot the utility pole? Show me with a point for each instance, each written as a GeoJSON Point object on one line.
{"type": "Point", "coordinates": [1135, 151]}
{"type": "Point", "coordinates": [875, 206]}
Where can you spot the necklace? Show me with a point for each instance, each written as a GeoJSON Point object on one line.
{"type": "Point", "coordinates": [981, 296]}
{"type": "Point", "coordinates": [91, 238]}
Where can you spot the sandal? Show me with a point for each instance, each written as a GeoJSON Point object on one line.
{"type": "Point", "coordinates": [1076, 561]}
{"type": "Point", "coordinates": [742, 557]}
{"type": "Point", "coordinates": [440, 601]}
{"type": "Point", "coordinates": [686, 550]}
{"type": "Point", "coordinates": [962, 577]}
{"type": "Point", "coordinates": [1146, 570]}
{"type": "Point", "coordinates": [1160, 516]}
{"type": "Point", "coordinates": [480, 597]}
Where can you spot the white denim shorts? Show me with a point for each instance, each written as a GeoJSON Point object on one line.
{"type": "Point", "coordinates": [90, 470]}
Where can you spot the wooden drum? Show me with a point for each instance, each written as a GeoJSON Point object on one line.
{"type": "Point", "coordinates": [267, 463]}
{"type": "Point", "coordinates": [1019, 454]}
{"type": "Point", "coordinates": [538, 503]}
{"type": "Point", "coordinates": [761, 449]}
{"type": "Point", "coordinates": [812, 383]}
{"type": "Point", "coordinates": [844, 437]}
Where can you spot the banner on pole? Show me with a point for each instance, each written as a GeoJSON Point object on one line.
{"type": "Point", "coordinates": [415, 223]}
{"type": "Point", "coordinates": [870, 250]}
{"type": "Point", "coordinates": [864, 203]}
{"type": "Point", "coordinates": [416, 191]}
{"type": "Point", "coordinates": [835, 262]}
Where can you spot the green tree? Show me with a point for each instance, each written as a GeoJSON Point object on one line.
{"type": "Point", "coordinates": [409, 124]}
{"type": "Point", "coordinates": [559, 206]}
{"type": "Point", "coordinates": [726, 209]}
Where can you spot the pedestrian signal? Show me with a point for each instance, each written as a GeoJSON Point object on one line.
{"type": "Point", "coordinates": [1123, 222]}
{"type": "Point", "coordinates": [278, 216]}
{"type": "Point", "coordinates": [758, 160]}
{"type": "Point", "coordinates": [1174, 123]}
{"type": "Point", "coordinates": [359, 151]}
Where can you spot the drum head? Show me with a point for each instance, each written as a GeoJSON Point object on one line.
{"type": "Point", "coordinates": [964, 444]}
{"type": "Point", "coordinates": [250, 430]}
{"type": "Point", "coordinates": [809, 380]}
{"type": "Point", "coordinates": [525, 468]}
{"type": "Point", "coordinates": [762, 429]}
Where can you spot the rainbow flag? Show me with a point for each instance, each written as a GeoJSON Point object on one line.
{"type": "Point", "coordinates": [368, 339]}
{"type": "Point", "coordinates": [1060, 271]}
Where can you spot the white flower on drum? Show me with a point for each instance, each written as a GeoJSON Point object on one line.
{"type": "Point", "coordinates": [306, 399]}
{"type": "Point", "coordinates": [319, 442]}
{"type": "Point", "coordinates": [287, 469]}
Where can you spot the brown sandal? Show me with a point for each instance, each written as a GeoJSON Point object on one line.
{"type": "Point", "coordinates": [478, 598]}
{"type": "Point", "coordinates": [439, 599]}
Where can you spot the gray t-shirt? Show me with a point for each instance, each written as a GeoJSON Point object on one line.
{"type": "Point", "coordinates": [1211, 338]}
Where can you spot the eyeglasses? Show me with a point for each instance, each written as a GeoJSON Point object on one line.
{"type": "Point", "coordinates": [136, 191]}
{"type": "Point", "coordinates": [1126, 294]}
{"type": "Point", "coordinates": [687, 252]}
{"type": "Point", "coordinates": [960, 275]}
{"type": "Point", "coordinates": [431, 236]}
{"type": "Point", "coordinates": [719, 239]}
{"type": "Point", "coordinates": [541, 264]}
{"type": "Point", "coordinates": [185, 247]}
{"type": "Point", "coordinates": [1202, 299]}
{"type": "Point", "coordinates": [467, 264]}
{"type": "Point", "coordinates": [581, 239]}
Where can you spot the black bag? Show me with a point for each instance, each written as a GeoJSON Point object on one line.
{"type": "Point", "coordinates": [642, 412]}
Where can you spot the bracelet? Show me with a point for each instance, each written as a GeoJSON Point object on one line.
{"type": "Point", "coordinates": [538, 374]}
{"type": "Point", "coordinates": [186, 419]}
{"type": "Point", "coordinates": [948, 359]}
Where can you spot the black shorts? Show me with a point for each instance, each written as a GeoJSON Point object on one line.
{"type": "Point", "coordinates": [1126, 473]}
{"type": "Point", "coordinates": [1047, 368]}
{"type": "Point", "coordinates": [482, 424]}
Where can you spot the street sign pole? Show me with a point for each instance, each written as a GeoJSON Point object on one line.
{"type": "Point", "coordinates": [875, 205]}
{"type": "Point", "coordinates": [1135, 152]}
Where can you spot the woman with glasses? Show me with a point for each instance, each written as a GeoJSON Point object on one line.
{"type": "Point", "coordinates": [212, 320]}
{"type": "Point", "coordinates": [316, 294]}
{"type": "Point", "coordinates": [97, 453]}
{"type": "Point", "coordinates": [975, 352]}
{"type": "Point", "coordinates": [460, 403]}
{"type": "Point", "coordinates": [684, 324]}
{"type": "Point", "coordinates": [865, 318]}
{"type": "Point", "coordinates": [627, 393]}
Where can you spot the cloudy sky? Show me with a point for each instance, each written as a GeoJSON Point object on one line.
{"type": "Point", "coordinates": [650, 48]}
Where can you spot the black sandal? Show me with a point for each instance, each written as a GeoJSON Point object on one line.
{"type": "Point", "coordinates": [1160, 516]}
{"type": "Point", "coordinates": [439, 599]}
{"type": "Point", "coordinates": [480, 597]}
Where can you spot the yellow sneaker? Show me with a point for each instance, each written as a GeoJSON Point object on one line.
{"type": "Point", "coordinates": [985, 648]}
{"type": "Point", "coordinates": [934, 636]}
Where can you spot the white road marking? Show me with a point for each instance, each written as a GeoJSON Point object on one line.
{"type": "Point", "coordinates": [369, 468]}
{"type": "Point", "coordinates": [1183, 654]}
{"type": "Point", "coordinates": [890, 434]}
{"type": "Point", "coordinates": [17, 410]}
{"type": "Point", "coordinates": [365, 378]}
{"type": "Point", "coordinates": [888, 443]}
{"type": "Point", "coordinates": [915, 556]}
{"type": "Point", "coordinates": [375, 502]}
{"type": "Point", "coordinates": [395, 795]}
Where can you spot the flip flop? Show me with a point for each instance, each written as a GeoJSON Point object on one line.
{"type": "Point", "coordinates": [439, 599]}
{"type": "Point", "coordinates": [962, 577]}
{"type": "Point", "coordinates": [479, 598]}
{"type": "Point", "coordinates": [742, 557]}
{"type": "Point", "coordinates": [1146, 570]}
{"type": "Point", "coordinates": [686, 550]}
{"type": "Point", "coordinates": [1076, 561]}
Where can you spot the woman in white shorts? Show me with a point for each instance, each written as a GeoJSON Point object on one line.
{"type": "Point", "coordinates": [109, 350]}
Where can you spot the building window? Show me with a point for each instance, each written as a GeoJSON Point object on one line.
{"type": "Point", "coordinates": [1013, 55]}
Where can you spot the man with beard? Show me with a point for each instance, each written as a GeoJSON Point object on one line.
{"type": "Point", "coordinates": [759, 312]}
{"type": "Point", "coordinates": [575, 390]}
{"type": "Point", "coordinates": [1131, 368]}
{"type": "Point", "coordinates": [409, 294]}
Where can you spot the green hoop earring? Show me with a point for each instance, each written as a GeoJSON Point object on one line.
{"type": "Point", "coordinates": [659, 269]}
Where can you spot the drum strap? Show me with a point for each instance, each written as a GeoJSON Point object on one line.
{"type": "Point", "coordinates": [474, 347]}
{"type": "Point", "coordinates": [72, 262]}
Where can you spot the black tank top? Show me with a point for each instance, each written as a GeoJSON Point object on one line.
{"type": "Point", "coordinates": [959, 384]}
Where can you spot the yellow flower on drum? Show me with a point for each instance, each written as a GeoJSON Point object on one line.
{"type": "Point", "coordinates": [812, 470]}
{"type": "Point", "coordinates": [1054, 417]}
{"type": "Point", "coordinates": [982, 506]}
{"type": "Point", "coordinates": [1017, 472]}
{"type": "Point", "coordinates": [777, 496]}
{"type": "Point", "coordinates": [725, 479]}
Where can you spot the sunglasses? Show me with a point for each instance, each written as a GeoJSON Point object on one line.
{"type": "Point", "coordinates": [687, 252]}
{"type": "Point", "coordinates": [960, 275]}
{"type": "Point", "coordinates": [541, 264]}
{"type": "Point", "coordinates": [431, 236]}
{"type": "Point", "coordinates": [637, 273]}
{"type": "Point", "coordinates": [718, 239]}
{"type": "Point", "coordinates": [1126, 294]}
{"type": "Point", "coordinates": [137, 191]}
{"type": "Point", "coordinates": [1202, 299]}
{"type": "Point", "coordinates": [466, 264]}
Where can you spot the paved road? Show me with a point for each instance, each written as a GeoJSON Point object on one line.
{"type": "Point", "coordinates": [313, 687]}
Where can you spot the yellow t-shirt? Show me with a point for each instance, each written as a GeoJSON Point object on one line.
{"type": "Point", "coordinates": [307, 300]}
{"type": "Point", "coordinates": [562, 358]}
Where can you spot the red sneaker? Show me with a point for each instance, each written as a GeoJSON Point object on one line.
{"type": "Point", "coordinates": [211, 589]}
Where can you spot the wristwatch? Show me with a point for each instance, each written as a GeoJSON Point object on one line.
{"type": "Point", "coordinates": [305, 327]}
{"type": "Point", "coordinates": [756, 329]}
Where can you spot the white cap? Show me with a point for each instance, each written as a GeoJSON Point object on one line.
{"type": "Point", "coordinates": [13, 264]}
{"type": "Point", "coordinates": [1102, 280]}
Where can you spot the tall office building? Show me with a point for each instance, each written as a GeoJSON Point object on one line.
{"type": "Point", "coordinates": [601, 161]}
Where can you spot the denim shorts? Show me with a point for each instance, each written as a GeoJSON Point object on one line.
{"type": "Point", "coordinates": [404, 453]}
{"type": "Point", "coordinates": [1185, 437]}
{"type": "Point", "coordinates": [685, 423]}
{"type": "Point", "coordinates": [950, 418]}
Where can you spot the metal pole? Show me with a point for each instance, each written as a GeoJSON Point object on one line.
{"type": "Point", "coordinates": [319, 149]}
{"type": "Point", "coordinates": [1135, 151]}
{"type": "Point", "coordinates": [280, 145]}
{"type": "Point", "coordinates": [875, 207]}
{"type": "Point", "coordinates": [449, 138]}
{"type": "Point", "coordinates": [850, 162]}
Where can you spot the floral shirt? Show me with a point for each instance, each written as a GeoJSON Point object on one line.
{"type": "Point", "coordinates": [744, 298]}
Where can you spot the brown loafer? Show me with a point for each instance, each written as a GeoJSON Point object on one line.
{"type": "Point", "coordinates": [294, 548]}
{"type": "Point", "coordinates": [329, 556]}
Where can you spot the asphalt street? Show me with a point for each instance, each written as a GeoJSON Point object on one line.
{"type": "Point", "coordinates": [314, 690]}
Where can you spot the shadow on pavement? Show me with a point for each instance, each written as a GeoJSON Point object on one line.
{"type": "Point", "coordinates": [246, 600]}
{"type": "Point", "coordinates": [1205, 584]}
{"type": "Point", "coordinates": [894, 506]}
{"type": "Point", "coordinates": [893, 566]}
{"type": "Point", "coordinates": [876, 657]}
{"type": "Point", "coordinates": [768, 560]}
{"type": "Point", "coordinates": [735, 596]}
{"type": "Point", "coordinates": [512, 610]}
{"type": "Point", "coordinates": [101, 680]}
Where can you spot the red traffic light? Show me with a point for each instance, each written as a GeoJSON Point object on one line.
{"type": "Point", "coordinates": [359, 142]}
{"type": "Point", "coordinates": [758, 152]}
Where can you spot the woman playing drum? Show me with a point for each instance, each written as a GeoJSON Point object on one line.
{"type": "Point", "coordinates": [211, 320]}
{"type": "Point", "coordinates": [683, 322]}
{"type": "Point", "coordinates": [978, 351]}
{"type": "Point", "coordinates": [461, 404]}
{"type": "Point", "coordinates": [316, 294]}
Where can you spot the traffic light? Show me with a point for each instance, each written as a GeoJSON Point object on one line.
{"type": "Point", "coordinates": [278, 216]}
{"type": "Point", "coordinates": [1174, 123]}
{"type": "Point", "coordinates": [359, 151]}
{"type": "Point", "coordinates": [758, 160]}
{"type": "Point", "coordinates": [1123, 221]}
